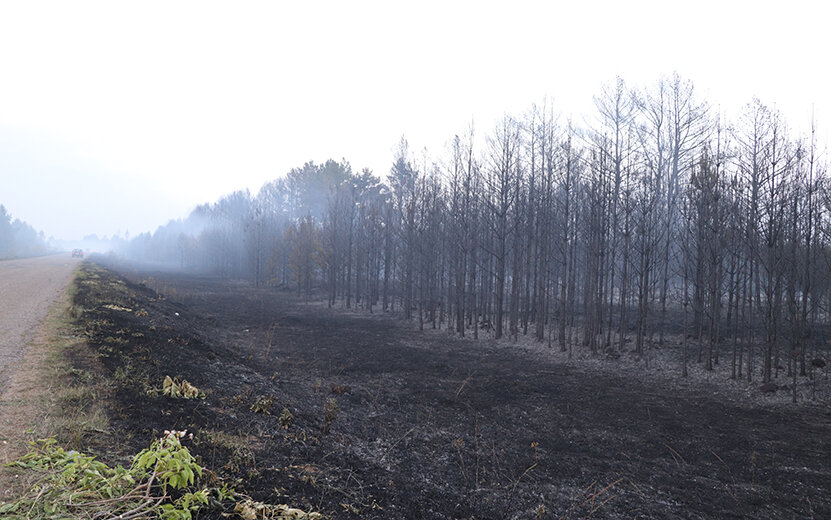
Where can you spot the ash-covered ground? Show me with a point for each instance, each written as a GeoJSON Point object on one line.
{"type": "Point", "coordinates": [361, 416]}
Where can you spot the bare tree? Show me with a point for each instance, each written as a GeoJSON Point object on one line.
{"type": "Point", "coordinates": [501, 181]}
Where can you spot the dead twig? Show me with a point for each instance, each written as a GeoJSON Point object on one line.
{"type": "Point", "coordinates": [594, 499]}
{"type": "Point", "coordinates": [636, 488]}
{"type": "Point", "coordinates": [462, 386]}
{"type": "Point", "coordinates": [270, 336]}
{"type": "Point", "coordinates": [458, 443]}
{"type": "Point", "coordinates": [675, 455]}
{"type": "Point", "coordinates": [594, 496]}
{"type": "Point", "coordinates": [729, 472]}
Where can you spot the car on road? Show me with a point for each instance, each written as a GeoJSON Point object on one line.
{"type": "Point", "coordinates": [78, 252]}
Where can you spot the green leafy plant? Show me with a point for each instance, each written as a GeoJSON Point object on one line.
{"type": "Point", "coordinates": [286, 418]}
{"type": "Point", "coordinates": [263, 404]}
{"type": "Point", "coordinates": [180, 389]}
{"type": "Point", "coordinates": [169, 461]}
{"type": "Point", "coordinates": [159, 484]}
{"type": "Point", "coordinates": [74, 485]}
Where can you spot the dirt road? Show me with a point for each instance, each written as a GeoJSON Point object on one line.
{"type": "Point", "coordinates": [27, 288]}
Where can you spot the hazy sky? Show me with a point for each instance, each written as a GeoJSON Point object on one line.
{"type": "Point", "coordinates": [118, 116]}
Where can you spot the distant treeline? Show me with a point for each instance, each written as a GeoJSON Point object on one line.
{"type": "Point", "coordinates": [18, 239]}
{"type": "Point", "coordinates": [657, 217]}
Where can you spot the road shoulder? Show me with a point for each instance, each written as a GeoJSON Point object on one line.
{"type": "Point", "coordinates": [32, 404]}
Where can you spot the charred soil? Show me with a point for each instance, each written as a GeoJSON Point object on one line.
{"type": "Point", "coordinates": [359, 416]}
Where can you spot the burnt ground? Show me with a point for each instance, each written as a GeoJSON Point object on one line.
{"type": "Point", "coordinates": [432, 427]}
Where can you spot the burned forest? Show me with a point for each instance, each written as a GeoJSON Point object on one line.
{"type": "Point", "coordinates": [654, 225]}
{"type": "Point", "coordinates": [623, 317]}
{"type": "Point", "coordinates": [415, 260]}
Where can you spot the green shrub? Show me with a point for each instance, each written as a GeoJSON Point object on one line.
{"type": "Point", "coordinates": [74, 485]}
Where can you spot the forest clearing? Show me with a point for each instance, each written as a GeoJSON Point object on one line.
{"type": "Point", "coordinates": [362, 416]}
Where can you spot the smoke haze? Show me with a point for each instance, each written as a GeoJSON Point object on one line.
{"type": "Point", "coordinates": [115, 118]}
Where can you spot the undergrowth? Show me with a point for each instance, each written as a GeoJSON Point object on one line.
{"type": "Point", "coordinates": [162, 482]}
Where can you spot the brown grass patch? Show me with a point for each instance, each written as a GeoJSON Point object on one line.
{"type": "Point", "coordinates": [45, 397]}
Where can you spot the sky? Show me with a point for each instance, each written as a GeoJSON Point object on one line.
{"type": "Point", "coordinates": [116, 117]}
